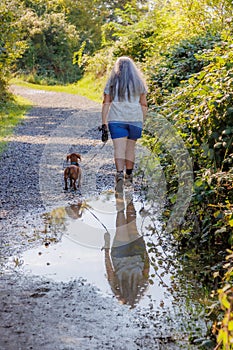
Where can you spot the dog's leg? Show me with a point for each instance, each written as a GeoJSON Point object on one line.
{"type": "Point", "coordinates": [79, 180]}
{"type": "Point", "coordinates": [66, 174]}
{"type": "Point", "coordinates": [74, 185]}
{"type": "Point", "coordinates": [71, 183]}
{"type": "Point", "coordinates": [66, 187]}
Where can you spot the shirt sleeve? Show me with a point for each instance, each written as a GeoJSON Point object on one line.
{"type": "Point", "coordinates": [144, 90]}
{"type": "Point", "coordinates": [107, 88]}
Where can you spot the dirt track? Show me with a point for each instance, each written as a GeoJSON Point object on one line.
{"type": "Point", "coordinates": [38, 313]}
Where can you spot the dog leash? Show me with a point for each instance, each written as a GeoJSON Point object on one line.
{"type": "Point", "coordinates": [104, 139]}
{"type": "Point", "coordinates": [93, 157]}
{"type": "Point", "coordinates": [65, 163]}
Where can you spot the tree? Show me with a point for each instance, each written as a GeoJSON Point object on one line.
{"type": "Point", "coordinates": [51, 44]}
{"type": "Point", "coordinates": [11, 44]}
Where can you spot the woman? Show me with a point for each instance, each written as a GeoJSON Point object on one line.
{"type": "Point", "coordinates": [123, 111]}
{"type": "Point", "coordinates": [127, 261]}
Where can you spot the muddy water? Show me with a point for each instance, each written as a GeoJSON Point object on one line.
{"type": "Point", "coordinates": [117, 244]}
{"type": "Point", "coordinates": [84, 233]}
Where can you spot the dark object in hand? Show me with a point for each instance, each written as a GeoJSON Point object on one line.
{"type": "Point", "coordinates": [104, 130]}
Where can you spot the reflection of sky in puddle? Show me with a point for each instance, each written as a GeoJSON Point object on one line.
{"type": "Point", "coordinates": [79, 254]}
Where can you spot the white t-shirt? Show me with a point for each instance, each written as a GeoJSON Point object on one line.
{"type": "Point", "coordinates": [127, 111]}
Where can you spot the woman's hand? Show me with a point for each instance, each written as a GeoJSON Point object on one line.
{"type": "Point", "coordinates": [104, 129]}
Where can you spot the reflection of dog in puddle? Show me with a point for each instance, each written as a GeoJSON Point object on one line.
{"type": "Point", "coordinates": [73, 172]}
{"type": "Point", "coordinates": [127, 261]}
{"type": "Point", "coordinates": [74, 211]}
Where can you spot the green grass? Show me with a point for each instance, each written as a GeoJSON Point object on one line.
{"type": "Point", "coordinates": [10, 115]}
{"type": "Point", "coordinates": [88, 86]}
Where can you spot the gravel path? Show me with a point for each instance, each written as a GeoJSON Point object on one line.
{"type": "Point", "coordinates": [27, 185]}
{"type": "Point", "coordinates": [41, 314]}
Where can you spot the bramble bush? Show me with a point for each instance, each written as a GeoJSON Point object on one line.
{"type": "Point", "coordinates": [201, 110]}
{"type": "Point", "coordinates": [179, 64]}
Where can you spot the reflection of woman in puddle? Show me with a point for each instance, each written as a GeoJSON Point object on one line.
{"type": "Point", "coordinates": [127, 265]}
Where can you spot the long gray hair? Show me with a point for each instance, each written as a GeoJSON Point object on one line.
{"type": "Point", "coordinates": [126, 79]}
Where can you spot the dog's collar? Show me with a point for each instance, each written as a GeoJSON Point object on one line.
{"type": "Point", "coordinates": [74, 163]}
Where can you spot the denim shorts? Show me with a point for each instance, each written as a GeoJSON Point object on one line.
{"type": "Point", "coordinates": [132, 130]}
{"type": "Point", "coordinates": [123, 249]}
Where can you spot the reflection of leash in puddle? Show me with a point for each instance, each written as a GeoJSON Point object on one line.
{"type": "Point", "coordinates": [75, 211]}
{"type": "Point", "coordinates": [86, 206]}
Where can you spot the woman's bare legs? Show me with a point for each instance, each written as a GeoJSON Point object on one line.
{"type": "Point", "coordinates": [124, 153]}
{"type": "Point", "coordinates": [130, 154]}
{"type": "Point", "coordinates": [119, 152]}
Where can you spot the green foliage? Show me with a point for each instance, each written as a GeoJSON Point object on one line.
{"type": "Point", "coordinates": [179, 63]}
{"type": "Point", "coordinates": [199, 105]}
{"type": "Point", "coordinates": [171, 29]}
{"type": "Point", "coordinates": [224, 327]}
{"type": "Point", "coordinates": [201, 111]}
{"type": "Point", "coordinates": [61, 34]}
{"type": "Point", "coordinates": [51, 43]}
{"type": "Point", "coordinates": [87, 16]}
{"type": "Point", "coordinates": [11, 113]}
{"type": "Point", "coordinates": [136, 42]}
{"type": "Point", "coordinates": [11, 44]}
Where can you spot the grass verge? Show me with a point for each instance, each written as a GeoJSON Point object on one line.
{"type": "Point", "coordinates": [88, 86]}
{"type": "Point", "coordinates": [11, 114]}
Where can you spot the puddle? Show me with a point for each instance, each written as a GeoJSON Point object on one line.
{"type": "Point", "coordinates": [116, 244]}
{"type": "Point", "coordinates": [84, 231]}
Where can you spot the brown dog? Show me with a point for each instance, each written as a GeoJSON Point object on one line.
{"type": "Point", "coordinates": [73, 172]}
